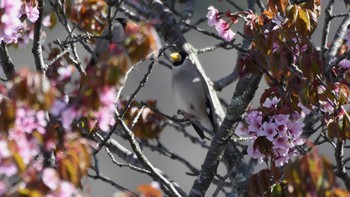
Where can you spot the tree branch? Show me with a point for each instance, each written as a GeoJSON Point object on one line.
{"type": "Point", "coordinates": [6, 62]}
{"type": "Point", "coordinates": [240, 101]}
{"type": "Point", "coordinates": [339, 158]}
{"type": "Point", "coordinates": [338, 39]}
{"type": "Point", "coordinates": [37, 48]}
{"type": "Point", "coordinates": [326, 27]}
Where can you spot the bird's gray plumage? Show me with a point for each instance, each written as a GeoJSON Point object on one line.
{"type": "Point", "coordinates": [189, 92]}
{"type": "Point", "coordinates": [102, 44]}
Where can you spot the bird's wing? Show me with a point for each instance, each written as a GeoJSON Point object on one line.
{"type": "Point", "coordinates": [102, 44]}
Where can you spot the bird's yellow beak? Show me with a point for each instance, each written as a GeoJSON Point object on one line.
{"type": "Point", "coordinates": [175, 57]}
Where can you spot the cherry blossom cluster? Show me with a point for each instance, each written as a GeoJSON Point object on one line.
{"type": "Point", "coordinates": [279, 131]}
{"type": "Point", "coordinates": [345, 63]}
{"type": "Point", "coordinates": [10, 13]}
{"type": "Point", "coordinates": [58, 187]}
{"type": "Point", "coordinates": [22, 141]}
{"type": "Point", "coordinates": [221, 26]}
{"type": "Point", "coordinates": [104, 116]}
{"type": "Point", "coordinates": [298, 49]}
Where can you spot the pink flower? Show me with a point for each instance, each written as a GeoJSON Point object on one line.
{"type": "Point", "coordinates": [295, 129]}
{"type": "Point", "coordinates": [8, 169]}
{"type": "Point", "coordinates": [105, 119]}
{"type": "Point", "coordinates": [281, 141]}
{"type": "Point", "coordinates": [278, 21]}
{"type": "Point", "coordinates": [269, 103]}
{"type": "Point", "coordinates": [304, 109]}
{"type": "Point", "coordinates": [9, 20]}
{"type": "Point", "coordinates": [241, 130]}
{"type": "Point", "coordinates": [299, 141]}
{"type": "Point", "coordinates": [269, 131]}
{"type": "Point", "coordinates": [31, 12]}
{"type": "Point", "coordinates": [107, 97]}
{"type": "Point", "coordinates": [47, 21]}
{"type": "Point", "coordinates": [345, 63]}
{"type": "Point", "coordinates": [65, 72]}
{"type": "Point", "coordinates": [281, 118]}
{"type": "Point", "coordinates": [30, 120]}
{"type": "Point", "coordinates": [3, 188]}
{"type": "Point", "coordinates": [65, 189]}
{"type": "Point", "coordinates": [4, 151]}
{"type": "Point", "coordinates": [281, 160]}
{"type": "Point", "coordinates": [254, 120]}
{"type": "Point", "coordinates": [224, 30]}
{"type": "Point", "coordinates": [68, 116]}
{"type": "Point", "coordinates": [255, 154]}
{"type": "Point", "coordinates": [212, 16]}
{"type": "Point", "coordinates": [57, 107]}
{"type": "Point", "coordinates": [50, 178]}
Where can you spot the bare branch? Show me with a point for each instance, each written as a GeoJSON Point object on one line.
{"type": "Point", "coordinates": [136, 148]}
{"type": "Point", "coordinates": [132, 159]}
{"type": "Point", "coordinates": [235, 5]}
{"type": "Point", "coordinates": [251, 5]}
{"type": "Point", "coordinates": [261, 5]}
{"type": "Point", "coordinates": [109, 181]}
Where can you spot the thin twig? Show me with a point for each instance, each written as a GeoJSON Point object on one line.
{"type": "Point", "coordinates": [136, 148]}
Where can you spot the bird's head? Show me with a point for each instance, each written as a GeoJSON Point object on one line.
{"type": "Point", "coordinates": [178, 58]}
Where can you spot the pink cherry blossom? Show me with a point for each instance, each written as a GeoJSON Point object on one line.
{"type": "Point", "coordinates": [65, 72]}
{"type": "Point", "coordinates": [65, 189]}
{"type": "Point", "coordinates": [224, 30]}
{"type": "Point", "coordinates": [304, 109]}
{"type": "Point", "coordinates": [9, 20]}
{"type": "Point", "coordinates": [269, 103]}
{"type": "Point", "coordinates": [50, 178]}
{"type": "Point", "coordinates": [254, 120]}
{"type": "Point", "coordinates": [31, 12]}
{"type": "Point", "coordinates": [47, 21]}
{"type": "Point", "coordinates": [278, 20]}
{"type": "Point", "coordinates": [281, 160]}
{"type": "Point", "coordinates": [212, 16]}
{"type": "Point", "coordinates": [241, 130]}
{"type": "Point", "coordinates": [295, 128]}
{"type": "Point", "coordinates": [269, 131]}
{"type": "Point", "coordinates": [8, 169]}
{"type": "Point", "coordinates": [57, 107]}
{"type": "Point", "coordinates": [345, 63]}
{"type": "Point", "coordinates": [255, 154]}
{"type": "Point", "coordinates": [4, 151]}
{"type": "Point", "coordinates": [30, 120]}
{"type": "Point", "coordinates": [107, 97]}
{"type": "Point", "coordinates": [67, 116]}
{"type": "Point", "coordinates": [281, 141]}
{"type": "Point", "coordinates": [281, 130]}
{"type": "Point", "coordinates": [105, 118]}
{"type": "Point", "coordinates": [3, 188]}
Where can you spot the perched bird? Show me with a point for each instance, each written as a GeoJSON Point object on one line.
{"type": "Point", "coordinates": [189, 92]}
{"type": "Point", "coordinates": [118, 36]}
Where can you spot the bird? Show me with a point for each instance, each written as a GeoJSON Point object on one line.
{"type": "Point", "coordinates": [118, 35]}
{"type": "Point", "coordinates": [189, 92]}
